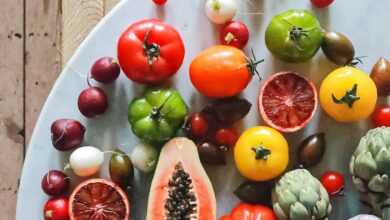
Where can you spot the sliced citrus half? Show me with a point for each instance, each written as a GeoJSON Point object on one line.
{"type": "Point", "coordinates": [98, 199]}
{"type": "Point", "coordinates": [287, 101]}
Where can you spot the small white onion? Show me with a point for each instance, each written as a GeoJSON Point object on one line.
{"type": "Point", "coordinates": [221, 11]}
{"type": "Point", "coordinates": [144, 157]}
{"type": "Point", "coordinates": [86, 161]}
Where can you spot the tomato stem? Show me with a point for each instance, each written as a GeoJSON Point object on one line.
{"type": "Point", "coordinates": [261, 153]}
{"type": "Point", "coordinates": [156, 111]}
{"type": "Point", "coordinates": [252, 64]}
{"type": "Point", "coordinates": [216, 5]}
{"type": "Point", "coordinates": [355, 61]}
{"type": "Point", "coordinates": [151, 50]}
{"type": "Point", "coordinates": [349, 98]}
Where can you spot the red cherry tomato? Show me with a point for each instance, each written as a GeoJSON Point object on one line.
{"type": "Point", "coordinates": [381, 116]}
{"type": "Point", "coordinates": [235, 34]}
{"type": "Point", "coordinates": [198, 125]}
{"type": "Point", "coordinates": [321, 3]}
{"type": "Point", "coordinates": [160, 2]}
{"type": "Point", "coordinates": [150, 51]}
{"type": "Point", "coordinates": [56, 209]}
{"type": "Point", "coordinates": [333, 182]}
{"type": "Point", "coordinates": [245, 211]}
{"type": "Point", "coordinates": [226, 136]}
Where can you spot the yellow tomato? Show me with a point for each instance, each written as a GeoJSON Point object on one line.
{"type": "Point", "coordinates": [261, 153]}
{"type": "Point", "coordinates": [348, 94]}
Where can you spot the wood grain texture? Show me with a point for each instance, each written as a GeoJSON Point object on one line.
{"type": "Point", "coordinates": [79, 17]}
{"type": "Point", "coordinates": [11, 104]}
{"type": "Point", "coordinates": [109, 4]}
{"type": "Point", "coordinates": [43, 62]}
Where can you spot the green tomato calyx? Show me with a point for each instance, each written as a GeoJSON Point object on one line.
{"type": "Point", "coordinates": [261, 152]}
{"type": "Point", "coordinates": [252, 64]}
{"type": "Point", "coordinates": [349, 98]}
{"type": "Point", "coordinates": [156, 113]}
{"type": "Point", "coordinates": [296, 33]}
{"type": "Point", "coordinates": [151, 50]}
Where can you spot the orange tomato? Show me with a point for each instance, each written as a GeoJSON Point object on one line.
{"type": "Point", "coordinates": [222, 71]}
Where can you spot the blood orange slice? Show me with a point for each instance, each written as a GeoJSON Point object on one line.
{"type": "Point", "coordinates": [98, 199]}
{"type": "Point", "coordinates": [287, 101]}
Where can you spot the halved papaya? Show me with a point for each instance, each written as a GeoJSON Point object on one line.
{"type": "Point", "coordinates": [181, 189]}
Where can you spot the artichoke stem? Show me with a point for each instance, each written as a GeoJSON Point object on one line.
{"type": "Point", "coordinates": [386, 213]}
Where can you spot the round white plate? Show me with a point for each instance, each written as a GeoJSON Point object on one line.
{"type": "Point", "coordinates": [364, 21]}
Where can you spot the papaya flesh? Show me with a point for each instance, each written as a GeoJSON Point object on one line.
{"type": "Point", "coordinates": [181, 189]}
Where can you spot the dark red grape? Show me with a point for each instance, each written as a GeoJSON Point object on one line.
{"type": "Point", "coordinates": [105, 70]}
{"type": "Point", "coordinates": [55, 183]}
{"type": "Point", "coordinates": [92, 102]}
{"type": "Point", "coordinates": [211, 154]}
{"type": "Point", "coordinates": [67, 134]}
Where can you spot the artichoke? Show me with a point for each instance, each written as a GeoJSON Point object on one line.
{"type": "Point", "coordinates": [300, 196]}
{"type": "Point", "coordinates": [370, 169]}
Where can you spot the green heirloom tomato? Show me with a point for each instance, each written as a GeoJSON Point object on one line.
{"type": "Point", "coordinates": [158, 115]}
{"type": "Point", "coordinates": [294, 36]}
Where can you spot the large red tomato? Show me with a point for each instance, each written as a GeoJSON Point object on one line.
{"type": "Point", "coordinates": [245, 211]}
{"type": "Point", "coordinates": [222, 71]}
{"type": "Point", "coordinates": [150, 51]}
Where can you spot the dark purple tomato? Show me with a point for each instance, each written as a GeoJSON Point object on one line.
{"type": "Point", "coordinates": [67, 134]}
{"type": "Point", "coordinates": [55, 183]}
{"type": "Point", "coordinates": [92, 102]}
{"type": "Point", "coordinates": [105, 70]}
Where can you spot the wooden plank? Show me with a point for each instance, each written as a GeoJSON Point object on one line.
{"type": "Point", "coordinates": [11, 104]}
{"type": "Point", "coordinates": [109, 5]}
{"type": "Point", "coordinates": [43, 62]}
{"type": "Point", "coordinates": [79, 17]}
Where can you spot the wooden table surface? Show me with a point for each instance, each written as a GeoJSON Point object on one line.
{"type": "Point", "coordinates": [36, 38]}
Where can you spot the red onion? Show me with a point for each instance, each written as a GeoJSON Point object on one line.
{"type": "Point", "coordinates": [67, 134]}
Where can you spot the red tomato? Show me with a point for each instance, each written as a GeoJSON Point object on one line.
{"type": "Point", "coordinates": [198, 125]}
{"type": "Point", "coordinates": [56, 209]}
{"type": "Point", "coordinates": [235, 34]}
{"type": "Point", "coordinates": [226, 136]}
{"type": "Point", "coordinates": [245, 211]}
{"type": "Point", "coordinates": [381, 116]}
{"type": "Point", "coordinates": [150, 51]}
{"type": "Point", "coordinates": [160, 2]}
{"type": "Point", "coordinates": [222, 71]}
{"type": "Point", "coordinates": [333, 182]}
{"type": "Point", "coordinates": [321, 3]}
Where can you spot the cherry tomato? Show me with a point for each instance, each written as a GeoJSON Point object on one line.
{"type": "Point", "coordinates": [235, 34]}
{"type": "Point", "coordinates": [222, 71]}
{"type": "Point", "coordinates": [160, 2]}
{"type": "Point", "coordinates": [381, 116]}
{"type": "Point", "coordinates": [244, 211]}
{"type": "Point", "coordinates": [226, 136]}
{"type": "Point", "coordinates": [333, 182]}
{"type": "Point", "coordinates": [197, 125]}
{"type": "Point", "coordinates": [150, 51]}
{"type": "Point", "coordinates": [56, 209]}
{"type": "Point", "coordinates": [321, 3]}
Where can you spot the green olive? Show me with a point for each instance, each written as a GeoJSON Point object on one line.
{"type": "Point", "coordinates": [338, 48]}
{"type": "Point", "coordinates": [121, 169]}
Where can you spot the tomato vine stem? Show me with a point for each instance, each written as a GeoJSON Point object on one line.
{"type": "Point", "coordinates": [152, 50]}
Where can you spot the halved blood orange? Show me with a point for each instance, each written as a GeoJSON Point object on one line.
{"type": "Point", "coordinates": [287, 101]}
{"type": "Point", "coordinates": [98, 199]}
